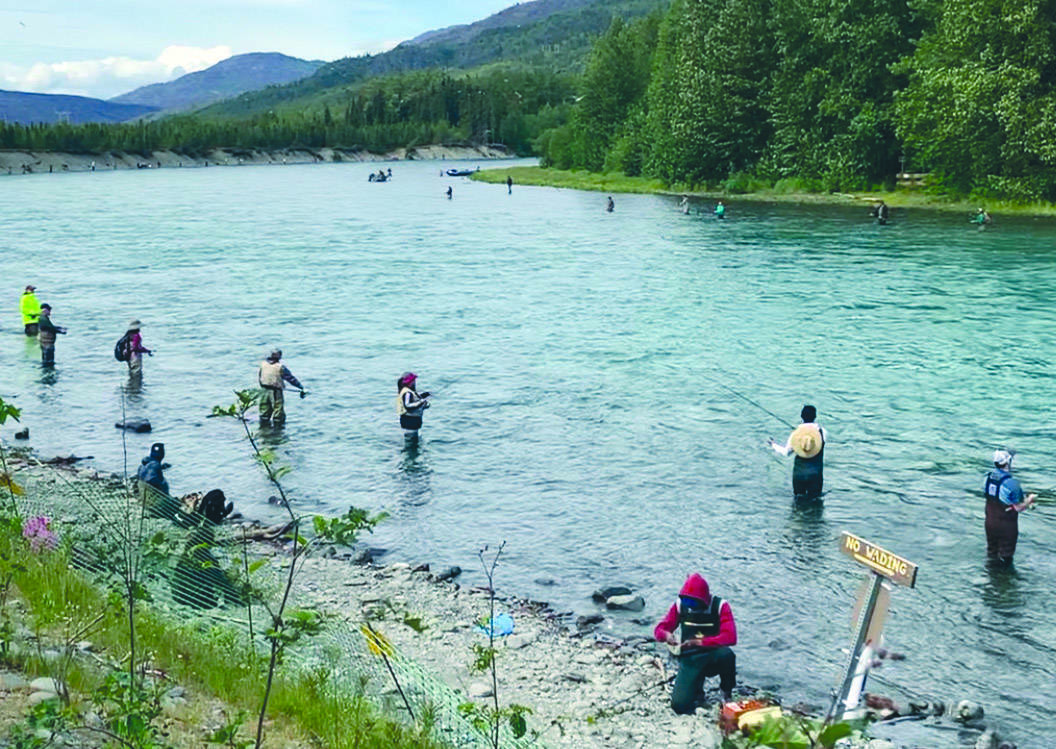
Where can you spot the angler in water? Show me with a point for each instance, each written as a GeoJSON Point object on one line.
{"type": "Point", "coordinates": [410, 404]}
{"type": "Point", "coordinates": [807, 442]}
{"type": "Point", "coordinates": [1004, 502]}
{"type": "Point", "coordinates": [272, 376]}
{"type": "Point", "coordinates": [699, 628]}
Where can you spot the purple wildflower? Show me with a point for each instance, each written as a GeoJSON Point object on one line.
{"type": "Point", "coordinates": [39, 534]}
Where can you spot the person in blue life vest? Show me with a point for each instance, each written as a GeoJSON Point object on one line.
{"type": "Point", "coordinates": [807, 442]}
{"type": "Point", "coordinates": [700, 630]}
{"type": "Point", "coordinates": [1004, 502]}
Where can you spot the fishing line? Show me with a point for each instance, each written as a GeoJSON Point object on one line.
{"type": "Point", "coordinates": [749, 400]}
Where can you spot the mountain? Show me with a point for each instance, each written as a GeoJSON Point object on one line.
{"type": "Point", "coordinates": [517, 15]}
{"type": "Point", "coordinates": [555, 35]}
{"type": "Point", "coordinates": [227, 78]}
{"type": "Point", "coordinates": [26, 108]}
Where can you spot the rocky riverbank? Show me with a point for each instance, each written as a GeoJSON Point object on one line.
{"type": "Point", "coordinates": [51, 162]}
{"type": "Point", "coordinates": [584, 687]}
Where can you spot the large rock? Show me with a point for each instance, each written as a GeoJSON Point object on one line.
{"type": "Point", "coordinates": [44, 684]}
{"type": "Point", "coordinates": [139, 426]}
{"type": "Point", "coordinates": [449, 574]}
{"type": "Point", "coordinates": [988, 740]}
{"type": "Point", "coordinates": [589, 621]}
{"type": "Point", "coordinates": [625, 603]}
{"type": "Point", "coordinates": [603, 594]}
{"type": "Point", "coordinates": [10, 681]}
{"type": "Point", "coordinates": [37, 697]}
{"type": "Point", "coordinates": [968, 711]}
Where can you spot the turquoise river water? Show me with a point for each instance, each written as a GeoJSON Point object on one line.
{"type": "Point", "coordinates": [580, 363]}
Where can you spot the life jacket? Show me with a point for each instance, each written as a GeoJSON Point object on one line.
{"type": "Point", "coordinates": [401, 408]}
{"type": "Point", "coordinates": [992, 486]}
{"type": "Point", "coordinates": [698, 622]}
{"type": "Point", "coordinates": [270, 375]}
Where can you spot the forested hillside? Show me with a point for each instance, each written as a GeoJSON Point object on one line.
{"type": "Point", "coordinates": [824, 95]}
{"type": "Point", "coordinates": [555, 38]}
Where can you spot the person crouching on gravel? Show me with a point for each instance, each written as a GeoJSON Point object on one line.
{"type": "Point", "coordinates": [700, 630]}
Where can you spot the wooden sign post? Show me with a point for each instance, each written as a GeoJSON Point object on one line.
{"type": "Point", "coordinates": [883, 565]}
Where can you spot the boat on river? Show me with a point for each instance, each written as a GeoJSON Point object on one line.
{"type": "Point", "coordinates": [462, 172]}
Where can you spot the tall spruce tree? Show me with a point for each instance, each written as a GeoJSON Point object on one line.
{"type": "Point", "coordinates": [832, 98]}
{"type": "Point", "coordinates": [980, 107]}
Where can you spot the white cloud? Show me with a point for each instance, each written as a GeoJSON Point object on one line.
{"type": "Point", "coordinates": [109, 76]}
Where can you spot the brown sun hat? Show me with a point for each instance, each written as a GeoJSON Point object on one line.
{"type": "Point", "coordinates": [806, 440]}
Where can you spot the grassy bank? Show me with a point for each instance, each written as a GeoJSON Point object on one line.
{"type": "Point", "coordinates": [45, 605]}
{"type": "Point", "coordinates": [753, 190]}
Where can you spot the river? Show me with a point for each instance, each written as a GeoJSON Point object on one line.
{"type": "Point", "coordinates": [581, 364]}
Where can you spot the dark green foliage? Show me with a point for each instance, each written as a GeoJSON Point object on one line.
{"type": "Point", "coordinates": [831, 101]}
{"type": "Point", "coordinates": [980, 107]}
{"type": "Point", "coordinates": [500, 104]}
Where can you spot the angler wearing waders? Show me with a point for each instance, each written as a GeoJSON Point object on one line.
{"type": "Point", "coordinates": [807, 441]}
{"type": "Point", "coordinates": [699, 629]}
{"type": "Point", "coordinates": [1004, 502]}
{"type": "Point", "coordinates": [271, 376]}
{"type": "Point", "coordinates": [410, 404]}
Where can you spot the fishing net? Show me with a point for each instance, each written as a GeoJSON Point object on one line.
{"type": "Point", "coordinates": [194, 571]}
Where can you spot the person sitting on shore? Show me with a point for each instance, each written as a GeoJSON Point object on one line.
{"type": "Point", "coordinates": [199, 579]}
{"type": "Point", "coordinates": [699, 628]}
{"type": "Point", "coordinates": [153, 488]}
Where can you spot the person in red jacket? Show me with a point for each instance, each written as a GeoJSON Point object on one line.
{"type": "Point", "coordinates": [700, 626]}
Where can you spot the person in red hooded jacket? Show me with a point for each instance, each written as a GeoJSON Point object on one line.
{"type": "Point", "coordinates": [701, 626]}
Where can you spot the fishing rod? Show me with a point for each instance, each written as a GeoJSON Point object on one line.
{"type": "Point", "coordinates": [745, 398]}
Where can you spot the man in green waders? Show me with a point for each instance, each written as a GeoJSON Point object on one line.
{"type": "Point", "coordinates": [271, 376]}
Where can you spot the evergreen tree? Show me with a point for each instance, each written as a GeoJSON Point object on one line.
{"type": "Point", "coordinates": [980, 107]}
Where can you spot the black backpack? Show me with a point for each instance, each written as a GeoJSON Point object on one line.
{"type": "Point", "coordinates": [121, 352]}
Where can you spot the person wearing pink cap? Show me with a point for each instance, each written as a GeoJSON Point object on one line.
{"type": "Point", "coordinates": [410, 404]}
{"type": "Point", "coordinates": [29, 306]}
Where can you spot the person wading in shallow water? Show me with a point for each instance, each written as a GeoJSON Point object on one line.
{"type": "Point", "coordinates": [271, 375]}
{"type": "Point", "coordinates": [46, 335]}
{"type": "Point", "coordinates": [29, 306]}
{"type": "Point", "coordinates": [700, 627]}
{"type": "Point", "coordinates": [410, 404]}
{"type": "Point", "coordinates": [136, 349]}
{"type": "Point", "coordinates": [1004, 502]}
{"type": "Point", "coordinates": [807, 441]}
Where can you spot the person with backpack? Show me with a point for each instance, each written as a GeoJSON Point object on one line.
{"type": "Point", "coordinates": [130, 349]}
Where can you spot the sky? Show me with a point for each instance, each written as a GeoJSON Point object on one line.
{"type": "Point", "coordinates": [103, 48]}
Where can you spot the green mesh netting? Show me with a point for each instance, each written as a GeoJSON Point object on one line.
{"type": "Point", "coordinates": [195, 571]}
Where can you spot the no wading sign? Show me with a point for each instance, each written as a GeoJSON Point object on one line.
{"type": "Point", "coordinates": [882, 562]}
{"type": "Point", "coordinates": [870, 613]}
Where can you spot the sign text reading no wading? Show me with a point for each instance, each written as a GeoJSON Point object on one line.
{"type": "Point", "coordinates": [893, 567]}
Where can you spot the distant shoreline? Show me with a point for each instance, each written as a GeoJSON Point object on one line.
{"type": "Point", "coordinates": [21, 162]}
{"type": "Point", "coordinates": [620, 183]}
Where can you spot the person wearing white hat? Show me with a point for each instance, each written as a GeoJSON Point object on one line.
{"type": "Point", "coordinates": [135, 349]}
{"type": "Point", "coordinates": [807, 443]}
{"type": "Point", "coordinates": [1004, 502]}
